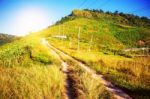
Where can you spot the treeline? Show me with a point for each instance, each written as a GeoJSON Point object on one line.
{"type": "Point", "coordinates": [133, 19]}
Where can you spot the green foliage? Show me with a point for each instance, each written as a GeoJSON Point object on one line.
{"type": "Point", "coordinates": [131, 74]}
{"type": "Point", "coordinates": [28, 70]}
{"type": "Point", "coordinates": [84, 84]}
{"type": "Point", "coordinates": [109, 38]}
{"type": "Point", "coordinates": [5, 38]}
{"type": "Point", "coordinates": [41, 54]}
{"type": "Point", "coordinates": [110, 32]}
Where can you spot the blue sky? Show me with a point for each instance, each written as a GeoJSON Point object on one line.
{"type": "Point", "coordinates": [13, 10]}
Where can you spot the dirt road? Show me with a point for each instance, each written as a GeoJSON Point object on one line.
{"type": "Point", "coordinates": [117, 92]}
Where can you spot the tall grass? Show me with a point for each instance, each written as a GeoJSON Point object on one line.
{"type": "Point", "coordinates": [110, 35]}
{"type": "Point", "coordinates": [88, 87]}
{"type": "Point", "coordinates": [28, 70]}
{"type": "Point", "coordinates": [30, 83]}
{"type": "Point", "coordinates": [131, 74]}
{"type": "Point", "coordinates": [83, 84]}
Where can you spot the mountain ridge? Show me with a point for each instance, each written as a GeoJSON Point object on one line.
{"type": "Point", "coordinates": [6, 38]}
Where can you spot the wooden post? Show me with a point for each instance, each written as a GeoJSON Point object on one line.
{"type": "Point", "coordinates": [143, 51]}
{"type": "Point", "coordinates": [70, 43]}
{"type": "Point", "coordinates": [63, 30]}
{"type": "Point", "coordinates": [91, 43]}
{"type": "Point", "coordinates": [147, 51]}
{"type": "Point", "coordinates": [79, 38]}
{"type": "Point", "coordinates": [59, 30]}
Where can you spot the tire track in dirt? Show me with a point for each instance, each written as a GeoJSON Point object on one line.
{"type": "Point", "coordinates": [117, 92]}
{"type": "Point", "coordinates": [70, 91]}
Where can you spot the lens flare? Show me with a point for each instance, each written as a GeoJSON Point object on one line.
{"type": "Point", "coordinates": [30, 20]}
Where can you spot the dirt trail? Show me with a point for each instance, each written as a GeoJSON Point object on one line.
{"type": "Point", "coordinates": [117, 92]}
{"type": "Point", "coordinates": [69, 91]}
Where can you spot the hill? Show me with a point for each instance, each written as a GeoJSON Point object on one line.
{"type": "Point", "coordinates": [109, 30]}
{"type": "Point", "coordinates": [97, 39]}
{"type": "Point", "coordinates": [30, 69]}
{"type": "Point", "coordinates": [5, 38]}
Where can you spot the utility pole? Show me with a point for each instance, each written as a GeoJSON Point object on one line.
{"type": "Point", "coordinates": [143, 51]}
{"type": "Point", "coordinates": [59, 29]}
{"type": "Point", "coordinates": [62, 30]}
{"type": "Point", "coordinates": [91, 43]}
{"type": "Point", "coordinates": [79, 39]}
{"type": "Point", "coordinates": [70, 42]}
{"type": "Point", "coordinates": [147, 51]}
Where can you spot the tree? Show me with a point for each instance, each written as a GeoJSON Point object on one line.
{"type": "Point", "coordinates": [116, 12]}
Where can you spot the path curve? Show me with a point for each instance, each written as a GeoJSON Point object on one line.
{"type": "Point", "coordinates": [68, 94]}
{"type": "Point", "coordinates": [117, 92]}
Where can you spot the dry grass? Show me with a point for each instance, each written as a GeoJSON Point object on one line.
{"type": "Point", "coordinates": [83, 84]}
{"type": "Point", "coordinates": [29, 70]}
{"type": "Point", "coordinates": [131, 74]}
{"type": "Point", "coordinates": [30, 83]}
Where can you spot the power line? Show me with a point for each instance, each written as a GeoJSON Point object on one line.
{"type": "Point", "coordinates": [92, 3]}
{"type": "Point", "coordinates": [105, 3]}
{"type": "Point", "coordinates": [82, 3]}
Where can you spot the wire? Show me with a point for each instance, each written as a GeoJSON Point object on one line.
{"type": "Point", "coordinates": [92, 3]}
{"type": "Point", "coordinates": [105, 3]}
{"type": "Point", "coordinates": [82, 3]}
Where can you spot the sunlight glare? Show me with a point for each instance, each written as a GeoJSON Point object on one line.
{"type": "Point", "coordinates": [31, 20]}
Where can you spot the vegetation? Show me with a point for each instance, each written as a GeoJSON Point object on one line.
{"type": "Point", "coordinates": [30, 70]}
{"type": "Point", "coordinates": [131, 74]}
{"type": "Point", "coordinates": [104, 52]}
{"type": "Point", "coordinates": [31, 82]}
{"type": "Point", "coordinates": [83, 85]}
{"type": "Point", "coordinates": [5, 38]}
{"type": "Point", "coordinates": [106, 28]}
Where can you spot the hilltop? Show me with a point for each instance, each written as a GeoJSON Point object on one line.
{"type": "Point", "coordinates": [112, 31]}
{"type": "Point", "coordinates": [97, 39]}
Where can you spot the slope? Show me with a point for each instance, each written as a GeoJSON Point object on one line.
{"type": "Point", "coordinates": [28, 70]}
{"type": "Point", "coordinates": [109, 31]}
{"type": "Point", "coordinates": [97, 39]}
{"type": "Point", "coordinates": [5, 38]}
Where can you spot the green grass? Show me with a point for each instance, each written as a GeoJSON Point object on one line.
{"type": "Point", "coordinates": [5, 38]}
{"type": "Point", "coordinates": [29, 70]}
{"type": "Point", "coordinates": [131, 74]}
{"type": "Point", "coordinates": [109, 38]}
{"type": "Point", "coordinates": [87, 85]}
{"type": "Point", "coordinates": [83, 84]}
{"type": "Point", "coordinates": [105, 55]}
{"type": "Point", "coordinates": [106, 34]}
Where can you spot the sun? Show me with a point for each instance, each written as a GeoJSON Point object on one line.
{"type": "Point", "coordinates": [31, 19]}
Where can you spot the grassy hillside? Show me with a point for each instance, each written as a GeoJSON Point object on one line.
{"type": "Point", "coordinates": [28, 70]}
{"type": "Point", "coordinates": [102, 38]}
{"type": "Point", "coordinates": [5, 38]}
{"type": "Point", "coordinates": [109, 31]}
